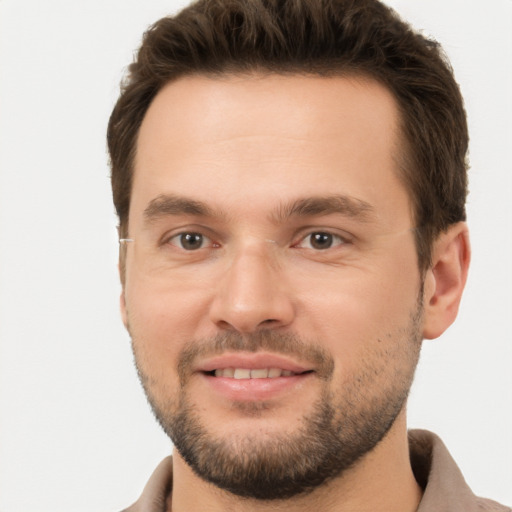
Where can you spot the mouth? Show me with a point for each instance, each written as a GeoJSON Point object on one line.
{"type": "Point", "coordinates": [254, 373]}
{"type": "Point", "coordinates": [254, 377]}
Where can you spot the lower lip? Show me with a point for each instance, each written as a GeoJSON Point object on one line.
{"type": "Point", "coordinates": [249, 390]}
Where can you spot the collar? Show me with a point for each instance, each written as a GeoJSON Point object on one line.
{"type": "Point", "coordinates": [445, 489]}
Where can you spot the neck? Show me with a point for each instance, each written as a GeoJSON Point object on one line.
{"type": "Point", "coordinates": [382, 481]}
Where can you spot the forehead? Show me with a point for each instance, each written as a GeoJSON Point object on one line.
{"type": "Point", "coordinates": [199, 107]}
{"type": "Point", "coordinates": [255, 136]}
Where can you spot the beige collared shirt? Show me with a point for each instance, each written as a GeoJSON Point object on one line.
{"type": "Point", "coordinates": [445, 489]}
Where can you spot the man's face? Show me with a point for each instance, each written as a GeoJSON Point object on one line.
{"type": "Point", "coordinates": [272, 291]}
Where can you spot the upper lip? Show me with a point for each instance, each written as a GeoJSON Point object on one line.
{"type": "Point", "coordinates": [251, 361]}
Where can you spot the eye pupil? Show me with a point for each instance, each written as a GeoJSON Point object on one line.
{"type": "Point", "coordinates": [191, 241]}
{"type": "Point", "coordinates": [321, 240]}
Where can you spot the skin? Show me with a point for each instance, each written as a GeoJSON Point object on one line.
{"type": "Point", "coordinates": [246, 148]}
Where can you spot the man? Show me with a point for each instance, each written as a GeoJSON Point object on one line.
{"type": "Point", "coordinates": [290, 180]}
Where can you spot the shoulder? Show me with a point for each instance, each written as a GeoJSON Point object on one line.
{"type": "Point", "coordinates": [486, 505]}
{"type": "Point", "coordinates": [444, 486]}
{"type": "Point", "coordinates": [155, 494]}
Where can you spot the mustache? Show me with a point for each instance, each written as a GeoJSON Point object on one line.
{"type": "Point", "coordinates": [286, 344]}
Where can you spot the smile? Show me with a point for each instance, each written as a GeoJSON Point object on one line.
{"type": "Point", "coordinates": [255, 373]}
{"type": "Point", "coordinates": [248, 377]}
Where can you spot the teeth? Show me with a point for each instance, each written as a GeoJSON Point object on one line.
{"type": "Point", "coordinates": [259, 374]}
{"type": "Point", "coordinates": [256, 373]}
{"type": "Point", "coordinates": [241, 373]}
{"type": "Point", "coordinates": [226, 372]}
{"type": "Point", "coordinates": [274, 372]}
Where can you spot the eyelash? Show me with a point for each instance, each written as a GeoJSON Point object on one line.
{"type": "Point", "coordinates": [179, 236]}
{"type": "Point", "coordinates": [336, 239]}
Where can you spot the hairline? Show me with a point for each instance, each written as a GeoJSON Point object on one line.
{"type": "Point", "coordinates": [401, 151]}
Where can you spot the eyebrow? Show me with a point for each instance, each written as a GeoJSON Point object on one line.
{"type": "Point", "coordinates": [168, 205]}
{"type": "Point", "coordinates": [165, 205]}
{"type": "Point", "coordinates": [326, 205]}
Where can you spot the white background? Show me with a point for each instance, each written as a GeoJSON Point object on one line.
{"type": "Point", "coordinates": [76, 433]}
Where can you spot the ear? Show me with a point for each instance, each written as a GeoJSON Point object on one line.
{"type": "Point", "coordinates": [445, 280]}
{"type": "Point", "coordinates": [122, 306]}
{"type": "Point", "coordinates": [122, 300]}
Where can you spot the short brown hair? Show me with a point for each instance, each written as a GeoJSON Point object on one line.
{"type": "Point", "coordinates": [320, 37]}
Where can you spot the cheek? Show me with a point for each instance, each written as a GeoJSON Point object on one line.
{"type": "Point", "coordinates": [160, 325]}
{"type": "Point", "coordinates": [164, 312]}
{"type": "Point", "coordinates": [360, 308]}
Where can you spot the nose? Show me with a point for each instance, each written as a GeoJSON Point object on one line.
{"type": "Point", "coordinates": [252, 294]}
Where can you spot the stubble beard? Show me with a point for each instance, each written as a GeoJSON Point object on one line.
{"type": "Point", "coordinates": [338, 432]}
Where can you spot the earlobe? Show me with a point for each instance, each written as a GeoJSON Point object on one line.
{"type": "Point", "coordinates": [445, 280]}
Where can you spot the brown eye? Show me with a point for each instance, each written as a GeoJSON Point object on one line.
{"type": "Point", "coordinates": [321, 240]}
{"type": "Point", "coordinates": [189, 241]}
